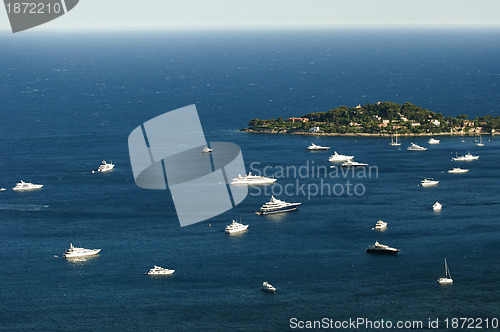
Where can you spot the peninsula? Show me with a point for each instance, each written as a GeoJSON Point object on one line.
{"type": "Point", "coordinates": [380, 119]}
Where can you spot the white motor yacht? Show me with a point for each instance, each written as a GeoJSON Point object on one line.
{"type": "Point", "coordinates": [437, 206]}
{"type": "Point", "coordinates": [74, 252]}
{"type": "Point", "coordinates": [159, 271]}
{"type": "Point", "coordinates": [415, 147]}
{"type": "Point", "coordinates": [434, 141]}
{"type": "Point", "coordinates": [378, 248]}
{"type": "Point", "coordinates": [352, 163]}
{"type": "Point", "coordinates": [105, 167]}
{"type": "Point", "coordinates": [314, 147]}
{"type": "Point", "coordinates": [458, 170]}
{"type": "Point", "coordinates": [235, 227]}
{"type": "Point", "coordinates": [252, 179]}
{"type": "Point", "coordinates": [206, 149]}
{"type": "Point", "coordinates": [380, 225]}
{"type": "Point", "coordinates": [339, 157]}
{"type": "Point", "coordinates": [268, 287]}
{"type": "Point", "coordinates": [20, 186]}
{"type": "Point", "coordinates": [467, 157]}
{"type": "Point", "coordinates": [276, 206]}
{"type": "Point", "coordinates": [428, 182]}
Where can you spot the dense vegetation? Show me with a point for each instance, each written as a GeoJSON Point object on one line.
{"type": "Point", "coordinates": [380, 118]}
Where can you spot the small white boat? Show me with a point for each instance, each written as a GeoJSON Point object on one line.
{"type": "Point", "coordinates": [378, 248]}
{"type": "Point", "coordinates": [428, 182]}
{"type": "Point", "coordinates": [339, 157]}
{"type": "Point", "coordinates": [235, 227]}
{"type": "Point", "coordinates": [394, 142]}
{"type": "Point", "coordinates": [380, 225]}
{"type": "Point", "coordinates": [21, 186]}
{"type": "Point", "coordinates": [159, 271]}
{"type": "Point", "coordinates": [2, 189]}
{"type": "Point", "coordinates": [480, 143]}
{"type": "Point", "coordinates": [437, 206]}
{"type": "Point", "coordinates": [252, 179]}
{"type": "Point", "coordinates": [314, 147]}
{"type": "Point", "coordinates": [446, 280]}
{"type": "Point", "coordinates": [415, 147]}
{"type": "Point", "coordinates": [352, 163]}
{"type": "Point", "coordinates": [467, 157]}
{"type": "Point", "coordinates": [74, 252]}
{"type": "Point", "coordinates": [434, 141]}
{"type": "Point", "coordinates": [206, 149]}
{"type": "Point", "coordinates": [458, 170]}
{"type": "Point", "coordinates": [268, 287]}
{"type": "Point", "coordinates": [105, 167]}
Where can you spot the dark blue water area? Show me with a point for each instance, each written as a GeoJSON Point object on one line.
{"type": "Point", "coordinates": [69, 101]}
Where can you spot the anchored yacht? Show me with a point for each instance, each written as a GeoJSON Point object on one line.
{"type": "Point", "coordinates": [380, 225]}
{"type": "Point", "coordinates": [446, 280]}
{"type": "Point", "coordinates": [317, 147]}
{"type": "Point", "coordinates": [434, 141]}
{"type": "Point", "coordinates": [339, 157]}
{"type": "Point", "coordinates": [105, 167]}
{"type": "Point", "coordinates": [352, 163]}
{"type": "Point", "coordinates": [73, 252]}
{"type": "Point", "coordinates": [276, 206]}
{"type": "Point", "coordinates": [235, 227]}
{"type": "Point", "coordinates": [415, 147]}
{"type": "Point", "coordinates": [378, 248]}
{"type": "Point", "coordinates": [206, 149]}
{"type": "Point", "coordinates": [458, 170]}
{"type": "Point", "coordinates": [428, 182]}
{"type": "Point", "coordinates": [268, 287]}
{"type": "Point", "coordinates": [437, 206]}
{"type": "Point", "coordinates": [159, 271]}
{"type": "Point", "coordinates": [20, 186]}
{"type": "Point", "coordinates": [252, 179]}
{"type": "Point", "coordinates": [467, 157]}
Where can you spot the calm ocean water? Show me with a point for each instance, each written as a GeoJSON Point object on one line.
{"type": "Point", "coordinates": [70, 100]}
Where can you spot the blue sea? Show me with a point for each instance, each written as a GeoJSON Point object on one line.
{"type": "Point", "coordinates": [69, 100]}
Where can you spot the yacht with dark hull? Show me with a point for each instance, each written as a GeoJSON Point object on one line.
{"type": "Point", "coordinates": [277, 206]}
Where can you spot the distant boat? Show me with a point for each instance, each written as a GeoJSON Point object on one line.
{"type": "Point", "coordinates": [235, 227]}
{"type": "Point", "coordinates": [428, 182]}
{"type": "Point", "coordinates": [73, 252]}
{"type": "Point", "coordinates": [415, 147]}
{"type": "Point", "coordinates": [277, 206]}
{"type": "Point", "coordinates": [437, 206]}
{"type": "Point", "coordinates": [105, 167]}
{"type": "Point", "coordinates": [206, 149]}
{"type": "Point", "coordinates": [480, 143]}
{"type": "Point", "coordinates": [252, 179]}
{"type": "Point", "coordinates": [394, 141]}
{"type": "Point", "coordinates": [2, 189]}
{"type": "Point", "coordinates": [339, 157]}
{"type": "Point", "coordinates": [446, 280]}
{"type": "Point", "coordinates": [458, 170]}
{"type": "Point", "coordinates": [380, 225]}
{"type": "Point", "coordinates": [314, 147]}
{"type": "Point", "coordinates": [352, 163]}
{"type": "Point", "coordinates": [159, 271]}
{"type": "Point", "coordinates": [434, 141]}
{"type": "Point", "coordinates": [268, 287]}
{"type": "Point", "coordinates": [467, 157]}
{"type": "Point", "coordinates": [21, 186]}
{"type": "Point", "coordinates": [378, 248]}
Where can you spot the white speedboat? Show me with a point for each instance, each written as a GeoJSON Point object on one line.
{"type": "Point", "coordinates": [276, 206]}
{"type": "Point", "coordinates": [380, 225]}
{"type": "Point", "coordinates": [268, 287]}
{"type": "Point", "coordinates": [314, 147]}
{"type": "Point", "coordinates": [415, 147]}
{"type": "Point", "coordinates": [159, 271]}
{"type": "Point", "coordinates": [428, 182]}
{"type": "Point", "coordinates": [434, 141]}
{"type": "Point", "coordinates": [378, 248]}
{"type": "Point", "coordinates": [235, 227]}
{"type": "Point", "coordinates": [458, 170]}
{"type": "Point", "coordinates": [339, 157]}
{"type": "Point", "coordinates": [20, 186]}
{"type": "Point", "coordinates": [105, 167]}
{"type": "Point", "coordinates": [446, 280]}
{"type": "Point", "coordinates": [252, 179]}
{"type": "Point", "coordinates": [206, 149]}
{"type": "Point", "coordinates": [2, 189]}
{"type": "Point", "coordinates": [437, 206]}
{"type": "Point", "coordinates": [467, 157]}
{"type": "Point", "coordinates": [352, 163]}
{"type": "Point", "coordinates": [74, 252]}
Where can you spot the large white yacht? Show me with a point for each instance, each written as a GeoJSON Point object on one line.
{"type": "Point", "coordinates": [458, 170]}
{"type": "Point", "coordinates": [20, 186]}
{"type": "Point", "coordinates": [378, 248]}
{"type": "Point", "coordinates": [428, 182]}
{"type": "Point", "coordinates": [276, 206]}
{"type": "Point", "coordinates": [317, 147]}
{"type": "Point", "coordinates": [235, 227]}
{"type": "Point", "coordinates": [467, 157]}
{"type": "Point", "coordinates": [105, 167]}
{"type": "Point", "coordinates": [159, 271]}
{"type": "Point", "coordinates": [352, 163]}
{"type": "Point", "coordinates": [268, 287]}
{"type": "Point", "coordinates": [415, 147]}
{"type": "Point", "coordinates": [335, 157]}
{"type": "Point", "coordinates": [434, 141]}
{"type": "Point", "coordinates": [252, 179]}
{"type": "Point", "coordinates": [73, 252]}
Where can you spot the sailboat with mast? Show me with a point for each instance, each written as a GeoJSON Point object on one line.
{"type": "Point", "coordinates": [446, 280]}
{"type": "Point", "coordinates": [480, 143]}
{"type": "Point", "coordinates": [394, 141]}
